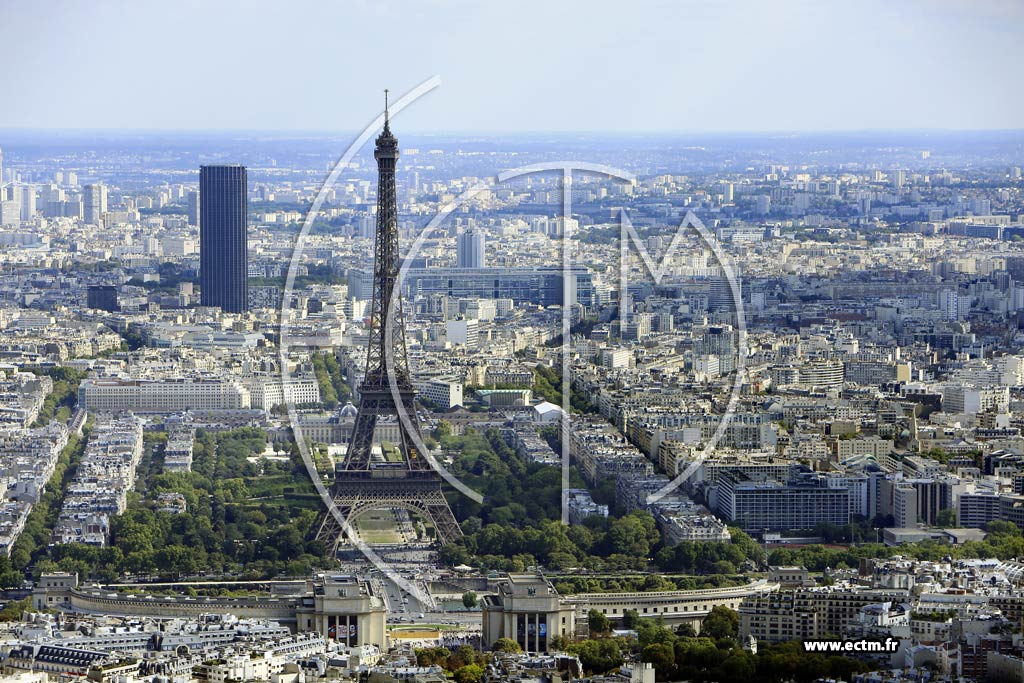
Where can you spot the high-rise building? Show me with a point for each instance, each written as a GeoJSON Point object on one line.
{"type": "Point", "coordinates": [980, 206]}
{"type": "Point", "coordinates": [471, 246]}
{"type": "Point", "coordinates": [193, 208]}
{"type": "Point", "coordinates": [763, 205]}
{"type": "Point", "coordinates": [544, 285]}
{"type": "Point", "coordinates": [223, 237]}
{"type": "Point", "coordinates": [366, 226]}
{"type": "Point", "coordinates": [720, 294]}
{"type": "Point", "coordinates": [864, 204]}
{"type": "Point", "coordinates": [726, 189]}
{"type": "Point", "coordinates": [102, 297]}
{"type": "Point", "coordinates": [953, 304]}
{"type": "Point", "coordinates": [94, 203]}
{"type": "Point", "coordinates": [1, 167]}
{"type": "Point", "coordinates": [561, 226]}
{"type": "Point", "coordinates": [28, 202]}
{"type": "Point", "coordinates": [720, 341]}
{"type": "Point", "coordinates": [10, 206]}
{"type": "Point", "coordinates": [796, 504]}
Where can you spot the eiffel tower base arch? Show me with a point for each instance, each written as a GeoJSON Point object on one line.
{"type": "Point", "coordinates": [357, 492]}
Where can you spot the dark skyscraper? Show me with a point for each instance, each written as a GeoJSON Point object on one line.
{"type": "Point", "coordinates": [223, 220]}
{"type": "Point", "coordinates": [193, 208]}
{"type": "Point", "coordinates": [102, 297]}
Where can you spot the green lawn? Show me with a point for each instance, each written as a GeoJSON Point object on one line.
{"type": "Point", "coordinates": [391, 451]}
{"type": "Point", "coordinates": [378, 527]}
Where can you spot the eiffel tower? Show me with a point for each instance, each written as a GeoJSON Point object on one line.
{"type": "Point", "coordinates": [360, 482]}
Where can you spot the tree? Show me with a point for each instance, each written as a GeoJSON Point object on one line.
{"type": "Point", "coordinates": [633, 534]}
{"type": "Point", "coordinates": [630, 619]}
{"type": "Point", "coordinates": [20, 556]}
{"type": "Point", "coordinates": [598, 656]}
{"type": "Point", "coordinates": [558, 643]}
{"type": "Point", "coordinates": [12, 610]}
{"type": "Point", "coordinates": [506, 645]}
{"type": "Point", "coordinates": [429, 656]}
{"type": "Point", "coordinates": [464, 655]}
{"type": "Point", "coordinates": [998, 526]}
{"type": "Point", "coordinates": [561, 560]}
{"type": "Point", "coordinates": [442, 430]}
{"type": "Point", "coordinates": [722, 622]}
{"type": "Point", "coordinates": [686, 631]}
{"type": "Point", "coordinates": [724, 567]}
{"type": "Point", "coordinates": [469, 599]}
{"type": "Point", "coordinates": [741, 666]}
{"type": "Point", "coordinates": [471, 673]}
{"type": "Point", "coordinates": [694, 656]}
{"type": "Point", "coordinates": [328, 394]}
{"type": "Point", "coordinates": [663, 657]}
{"type": "Point", "coordinates": [599, 623]}
{"type": "Point", "coordinates": [946, 518]}
{"type": "Point", "coordinates": [711, 557]}
{"type": "Point", "coordinates": [453, 554]}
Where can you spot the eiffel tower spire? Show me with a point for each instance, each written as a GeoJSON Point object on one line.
{"type": "Point", "coordinates": [363, 482]}
{"type": "Point", "coordinates": [386, 353]}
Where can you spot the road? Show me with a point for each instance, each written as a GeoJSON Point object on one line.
{"type": "Point", "coordinates": [413, 565]}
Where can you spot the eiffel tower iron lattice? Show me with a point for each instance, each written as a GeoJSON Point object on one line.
{"type": "Point", "coordinates": [360, 482]}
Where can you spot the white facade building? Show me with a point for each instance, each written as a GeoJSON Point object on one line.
{"type": "Point", "coordinates": [162, 396]}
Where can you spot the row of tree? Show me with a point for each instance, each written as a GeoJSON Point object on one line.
{"type": "Point", "coordinates": [33, 544]}
{"type": "Point", "coordinates": [547, 384]}
{"type": "Point", "coordinates": [334, 387]}
{"type": "Point", "coordinates": [519, 525]}
{"type": "Point", "coordinates": [241, 518]}
{"type": "Point", "coordinates": [1004, 541]}
{"type": "Point", "coordinates": [59, 402]}
{"type": "Point", "coordinates": [519, 522]}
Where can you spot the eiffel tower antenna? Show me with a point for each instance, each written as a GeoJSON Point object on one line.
{"type": "Point", "coordinates": [362, 480]}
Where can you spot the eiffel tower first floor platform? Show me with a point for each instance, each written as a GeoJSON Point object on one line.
{"type": "Point", "coordinates": [357, 491]}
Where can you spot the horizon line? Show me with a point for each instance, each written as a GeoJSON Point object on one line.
{"type": "Point", "coordinates": [506, 132]}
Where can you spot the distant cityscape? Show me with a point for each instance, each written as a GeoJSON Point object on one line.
{"type": "Point", "coordinates": [159, 521]}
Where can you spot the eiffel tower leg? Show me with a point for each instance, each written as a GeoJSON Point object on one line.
{"type": "Point", "coordinates": [440, 515]}
{"type": "Point", "coordinates": [329, 531]}
{"type": "Point", "coordinates": [448, 530]}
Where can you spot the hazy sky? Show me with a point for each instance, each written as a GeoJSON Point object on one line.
{"type": "Point", "coordinates": [514, 65]}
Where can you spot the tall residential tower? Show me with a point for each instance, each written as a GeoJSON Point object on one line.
{"type": "Point", "coordinates": [471, 249]}
{"type": "Point", "coordinates": [94, 203]}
